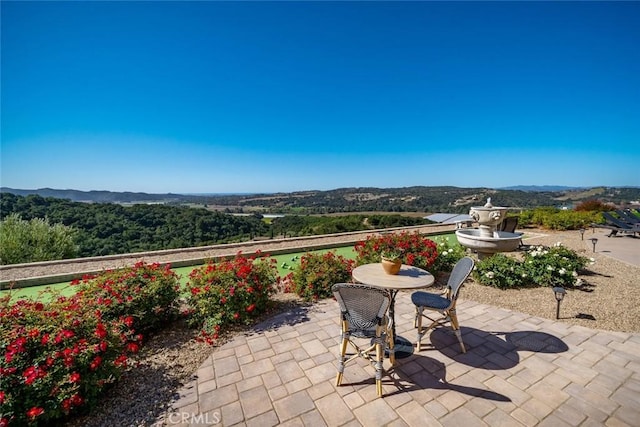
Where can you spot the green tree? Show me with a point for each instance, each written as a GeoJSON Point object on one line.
{"type": "Point", "coordinates": [34, 240]}
{"type": "Point", "coordinates": [593, 205]}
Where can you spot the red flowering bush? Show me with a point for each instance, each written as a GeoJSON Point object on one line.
{"type": "Point", "coordinates": [228, 292]}
{"type": "Point", "coordinates": [58, 356]}
{"type": "Point", "coordinates": [146, 294]}
{"type": "Point", "coordinates": [413, 249]}
{"type": "Point", "coordinates": [315, 275]}
{"type": "Point", "coordinates": [55, 357]}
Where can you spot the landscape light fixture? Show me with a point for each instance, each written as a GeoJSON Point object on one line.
{"type": "Point", "coordinates": [582, 234]}
{"type": "Point", "coordinates": [559, 293]}
{"type": "Point", "coordinates": [594, 241]}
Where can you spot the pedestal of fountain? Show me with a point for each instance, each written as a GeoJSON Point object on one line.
{"type": "Point", "coordinates": [485, 239]}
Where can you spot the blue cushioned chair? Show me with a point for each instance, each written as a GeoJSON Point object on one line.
{"type": "Point", "coordinates": [444, 305]}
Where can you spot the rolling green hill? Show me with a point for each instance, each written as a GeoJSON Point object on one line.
{"type": "Point", "coordinates": [361, 199]}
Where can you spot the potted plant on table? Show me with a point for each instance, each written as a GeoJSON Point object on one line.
{"type": "Point", "coordinates": [391, 260]}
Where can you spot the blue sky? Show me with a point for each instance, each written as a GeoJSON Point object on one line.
{"type": "Point", "coordinates": [220, 97]}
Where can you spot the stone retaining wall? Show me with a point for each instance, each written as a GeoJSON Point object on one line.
{"type": "Point", "coordinates": [47, 272]}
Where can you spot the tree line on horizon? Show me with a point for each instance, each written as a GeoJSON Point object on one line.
{"type": "Point", "coordinates": [362, 199]}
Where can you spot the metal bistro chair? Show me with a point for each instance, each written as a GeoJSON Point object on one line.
{"type": "Point", "coordinates": [444, 304]}
{"type": "Point", "coordinates": [509, 224]}
{"type": "Point", "coordinates": [363, 315]}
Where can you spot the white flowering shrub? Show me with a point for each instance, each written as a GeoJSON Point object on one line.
{"type": "Point", "coordinates": [448, 254]}
{"type": "Point", "coordinates": [541, 266]}
{"type": "Point", "coordinates": [501, 271]}
{"type": "Point", "coordinates": [555, 266]}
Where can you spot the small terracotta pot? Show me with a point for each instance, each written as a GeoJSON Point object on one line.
{"type": "Point", "coordinates": [391, 266]}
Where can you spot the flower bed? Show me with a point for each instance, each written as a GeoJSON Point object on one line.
{"type": "Point", "coordinates": [58, 357]}
{"type": "Point", "coordinates": [315, 275]}
{"type": "Point", "coordinates": [540, 266]}
{"type": "Point", "coordinates": [229, 292]}
{"type": "Point", "coordinates": [411, 248]}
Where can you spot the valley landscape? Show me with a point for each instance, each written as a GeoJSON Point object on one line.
{"type": "Point", "coordinates": [361, 199]}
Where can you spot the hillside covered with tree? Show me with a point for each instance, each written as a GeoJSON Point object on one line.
{"type": "Point", "coordinates": [369, 199]}
{"type": "Point", "coordinates": [108, 228]}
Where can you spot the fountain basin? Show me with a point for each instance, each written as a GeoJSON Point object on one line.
{"type": "Point", "coordinates": [488, 214]}
{"type": "Point", "coordinates": [488, 217]}
{"type": "Point", "coordinates": [500, 241]}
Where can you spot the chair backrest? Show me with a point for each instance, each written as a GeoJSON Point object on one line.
{"type": "Point", "coordinates": [362, 306]}
{"type": "Point", "coordinates": [628, 216]}
{"type": "Point", "coordinates": [459, 274]}
{"type": "Point", "coordinates": [612, 220]}
{"type": "Point", "coordinates": [509, 224]}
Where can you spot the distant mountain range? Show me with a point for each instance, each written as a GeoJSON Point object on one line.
{"type": "Point", "coordinates": [541, 188]}
{"type": "Point", "coordinates": [98, 196]}
{"type": "Point", "coordinates": [103, 196]}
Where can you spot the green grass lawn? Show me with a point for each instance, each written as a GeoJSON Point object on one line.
{"type": "Point", "coordinates": [286, 264]}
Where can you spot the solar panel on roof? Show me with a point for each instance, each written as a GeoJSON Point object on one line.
{"type": "Point", "coordinates": [448, 218]}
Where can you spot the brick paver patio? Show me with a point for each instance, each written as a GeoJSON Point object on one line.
{"type": "Point", "coordinates": [519, 370]}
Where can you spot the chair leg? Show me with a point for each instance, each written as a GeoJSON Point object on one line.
{"type": "Point", "coordinates": [390, 345]}
{"type": "Point", "coordinates": [341, 358]}
{"type": "Point", "coordinates": [418, 324]}
{"type": "Point", "coordinates": [456, 328]}
{"type": "Point", "coordinates": [379, 359]}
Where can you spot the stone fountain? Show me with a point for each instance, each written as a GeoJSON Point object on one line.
{"type": "Point", "coordinates": [486, 240]}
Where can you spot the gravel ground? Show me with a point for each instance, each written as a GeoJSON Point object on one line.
{"type": "Point", "coordinates": [608, 300]}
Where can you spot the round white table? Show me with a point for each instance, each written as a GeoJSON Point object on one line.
{"type": "Point", "coordinates": [409, 278]}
